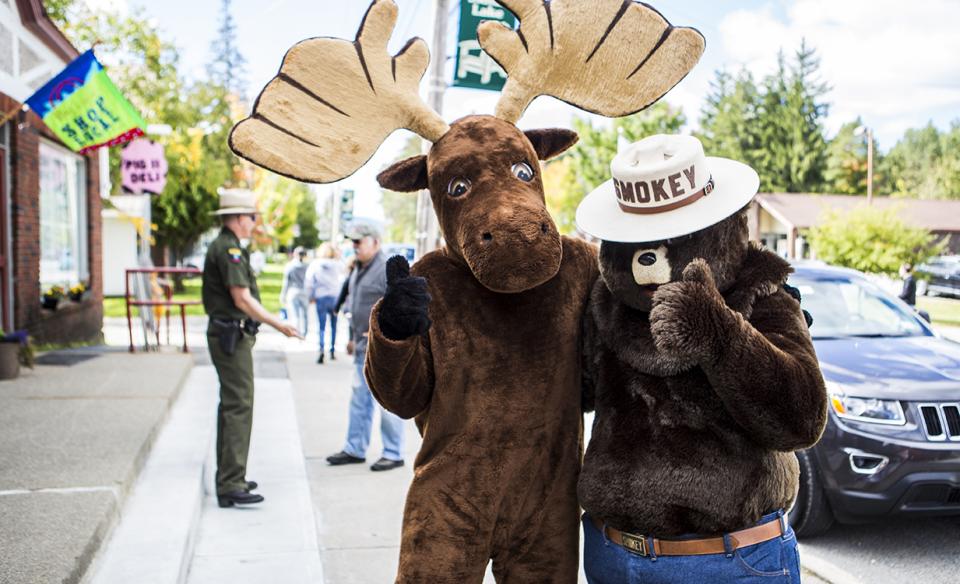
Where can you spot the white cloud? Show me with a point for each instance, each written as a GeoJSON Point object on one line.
{"type": "Point", "coordinates": [892, 62]}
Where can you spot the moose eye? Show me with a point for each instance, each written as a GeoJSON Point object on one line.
{"type": "Point", "coordinates": [458, 187]}
{"type": "Point", "coordinates": [523, 171]}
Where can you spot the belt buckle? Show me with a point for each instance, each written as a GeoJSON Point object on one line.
{"type": "Point", "coordinates": [634, 544]}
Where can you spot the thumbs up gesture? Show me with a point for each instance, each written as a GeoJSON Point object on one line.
{"type": "Point", "coordinates": [688, 318]}
{"type": "Point", "coordinates": [404, 311]}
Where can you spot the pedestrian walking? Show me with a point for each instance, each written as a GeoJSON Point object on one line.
{"type": "Point", "coordinates": [909, 291]}
{"type": "Point", "coordinates": [323, 283]}
{"type": "Point", "coordinates": [366, 286]}
{"type": "Point", "coordinates": [293, 294]}
{"type": "Point", "coordinates": [232, 301]}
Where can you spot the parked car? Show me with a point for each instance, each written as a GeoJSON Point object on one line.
{"type": "Point", "coordinates": [402, 249]}
{"type": "Point", "coordinates": [892, 440]}
{"type": "Point", "coordinates": [939, 276]}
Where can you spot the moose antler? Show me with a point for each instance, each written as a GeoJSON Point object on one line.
{"type": "Point", "coordinates": [334, 102]}
{"type": "Point", "coordinates": [611, 57]}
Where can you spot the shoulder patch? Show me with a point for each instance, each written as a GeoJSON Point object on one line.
{"type": "Point", "coordinates": [236, 254]}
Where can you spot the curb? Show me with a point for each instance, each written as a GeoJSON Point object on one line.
{"type": "Point", "coordinates": [825, 569]}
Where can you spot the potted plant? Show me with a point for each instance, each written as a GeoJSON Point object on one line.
{"type": "Point", "coordinates": [77, 292]}
{"type": "Point", "coordinates": [51, 297]}
{"type": "Point", "coordinates": [15, 349]}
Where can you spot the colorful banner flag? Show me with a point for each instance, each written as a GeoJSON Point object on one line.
{"type": "Point", "coordinates": [85, 109]}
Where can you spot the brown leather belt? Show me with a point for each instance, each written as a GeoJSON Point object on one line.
{"type": "Point", "coordinates": [640, 545]}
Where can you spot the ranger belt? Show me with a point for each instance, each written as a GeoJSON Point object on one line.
{"type": "Point", "coordinates": [640, 544]}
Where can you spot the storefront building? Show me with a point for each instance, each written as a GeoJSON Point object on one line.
{"type": "Point", "coordinates": [50, 198]}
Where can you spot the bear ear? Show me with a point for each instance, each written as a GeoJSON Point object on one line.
{"type": "Point", "coordinates": [405, 176]}
{"type": "Point", "coordinates": [551, 142]}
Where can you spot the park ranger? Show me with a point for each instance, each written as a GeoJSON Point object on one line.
{"type": "Point", "coordinates": [232, 301]}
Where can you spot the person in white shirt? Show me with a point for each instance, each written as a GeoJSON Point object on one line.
{"type": "Point", "coordinates": [323, 281]}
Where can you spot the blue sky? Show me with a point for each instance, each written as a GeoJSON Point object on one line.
{"type": "Point", "coordinates": [892, 63]}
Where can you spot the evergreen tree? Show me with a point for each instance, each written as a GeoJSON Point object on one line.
{"type": "Point", "coordinates": [775, 127]}
{"type": "Point", "coordinates": [924, 164]}
{"type": "Point", "coordinates": [228, 67]}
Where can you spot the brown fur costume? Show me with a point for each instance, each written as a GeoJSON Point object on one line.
{"type": "Point", "coordinates": [702, 388]}
{"type": "Point", "coordinates": [495, 384]}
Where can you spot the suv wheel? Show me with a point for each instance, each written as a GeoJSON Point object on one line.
{"type": "Point", "coordinates": [811, 515]}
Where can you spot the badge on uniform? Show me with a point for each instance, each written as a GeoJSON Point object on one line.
{"type": "Point", "coordinates": [235, 254]}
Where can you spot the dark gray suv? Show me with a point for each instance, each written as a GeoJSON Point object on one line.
{"type": "Point", "coordinates": [892, 441]}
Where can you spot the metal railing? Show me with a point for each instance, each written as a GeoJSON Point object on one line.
{"type": "Point", "coordinates": [166, 302]}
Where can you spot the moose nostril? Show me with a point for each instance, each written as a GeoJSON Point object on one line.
{"type": "Point", "coordinates": [488, 236]}
{"type": "Point", "coordinates": [647, 259]}
{"type": "Point", "coordinates": [544, 229]}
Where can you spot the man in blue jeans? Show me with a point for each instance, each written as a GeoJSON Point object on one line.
{"type": "Point", "coordinates": [367, 284]}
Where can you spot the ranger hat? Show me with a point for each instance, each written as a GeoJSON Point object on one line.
{"type": "Point", "coordinates": [236, 202]}
{"type": "Point", "coordinates": [662, 187]}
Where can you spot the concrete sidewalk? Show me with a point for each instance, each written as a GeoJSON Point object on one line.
{"type": "Point", "coordinates": [74, 434]}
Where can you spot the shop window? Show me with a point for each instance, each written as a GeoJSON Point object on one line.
{"type": "Point", "coordinates": [63, 217]}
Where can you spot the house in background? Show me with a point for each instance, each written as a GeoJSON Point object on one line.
{"type": "Point", "coordinates": [778, 219]}
{"type": "Point", "coordinates": [49, 197]}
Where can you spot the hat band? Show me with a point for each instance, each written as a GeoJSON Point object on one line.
{"type": "Point", "coordinates": [692, 198]}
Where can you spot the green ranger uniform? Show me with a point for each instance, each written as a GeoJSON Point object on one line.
{"type": "Point", "coordinates": [228, 264]}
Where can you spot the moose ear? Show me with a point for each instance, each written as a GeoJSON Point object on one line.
{"type": "Point", "coordinates": [405, 176]}
{"type": "Point", "coordinates": [551, 142]}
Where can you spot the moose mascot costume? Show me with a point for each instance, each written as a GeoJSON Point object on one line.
{"type": "Point", "coordinates": [480, 341]}
{"type": "Point", "coordinates": [703, 376]}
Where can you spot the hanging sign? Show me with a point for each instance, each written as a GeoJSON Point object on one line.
{"type": "Point", "coordinates": [475, 68]}
{"type": "Point", "coordinates": [143, 167]}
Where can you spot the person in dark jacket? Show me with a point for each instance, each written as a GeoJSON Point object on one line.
{"type": "Point", "coordinates": [909, 292]}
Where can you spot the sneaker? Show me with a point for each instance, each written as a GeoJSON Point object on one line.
{"type": "Point", "coordinates": [386, 464]}
{"type": "Point", "coordinates": [320, 359]}
{"type": "Point", "coordinates": [343, 458]}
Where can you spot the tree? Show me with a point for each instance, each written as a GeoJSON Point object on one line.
{"type": "Point", "coordinates": [593, 153]}
{"type": "Point", "coordinates": [309, 237]}
{"type": "Point", "coordinates": [846, 165]}
{"type": "Point", "coordinates": [228, 67]}
{"type": "Point", "coordinates": [400, 209]}
{"type": "Point", "coordinates": [872, 240]}
{"type": "Point", "coordinates": [776, 127]}
{"type": "Point", "coordinates": [563, 193]}
{"type": "Point", "coordinates": [279, 198]}
{"type": "Point", "coordinates": [925, 164]}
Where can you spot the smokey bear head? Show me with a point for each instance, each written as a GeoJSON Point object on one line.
{"type": "Point", "coordinates": [666, 205]}
{"type": "Point", "coordinates": [634, 271]}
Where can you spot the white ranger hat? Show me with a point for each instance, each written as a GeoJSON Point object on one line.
{"type": "Point", "coordinates": [662, 187]}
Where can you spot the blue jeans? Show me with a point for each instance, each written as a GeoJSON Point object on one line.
{"type": "Point", "coordinates": [325, 306]}
{"type": "Point", "coordinates": [776, 560]}
{"type": "Point", "coordinates": [361, 420]}
{"type": "Point", "coordinates": [298, 306]}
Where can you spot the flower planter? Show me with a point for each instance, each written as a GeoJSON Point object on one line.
{"type": "Point", "coordinates": [9, 360]}
{"type": "Point", "coordinates": [49, 302]}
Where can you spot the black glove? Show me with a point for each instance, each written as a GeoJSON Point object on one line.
{"type": "Point", "coordinates": [404, 313]}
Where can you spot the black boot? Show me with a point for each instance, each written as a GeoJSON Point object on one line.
{"type": "Point", "coordinates": [240, 497]}
{"type": "Point", "coordinates": [332, 356]}
{"type": "Point", "coordinates": [320, 358]}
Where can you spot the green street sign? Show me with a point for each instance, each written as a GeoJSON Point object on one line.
{"type": "Point", "coordinates": [475, 69]}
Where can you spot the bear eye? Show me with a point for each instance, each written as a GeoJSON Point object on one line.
{"type": "Point", "coordinates": [458, 187]}
{"type": "Point", "coordinates": [523, 171]}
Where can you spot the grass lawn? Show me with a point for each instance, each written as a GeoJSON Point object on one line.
{"type": "Point", "coordinates": [943, 311]}
{"type": "Point", "coordinates": [269, 282]}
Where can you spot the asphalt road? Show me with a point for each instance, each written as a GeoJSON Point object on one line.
{"type": "Point", "coordinates": [895, 551]}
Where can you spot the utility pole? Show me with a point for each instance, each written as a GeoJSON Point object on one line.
{"type": "Point", "coordinates": [869, 166]}
{"type": "Point", "coordinates": [428, 231]}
